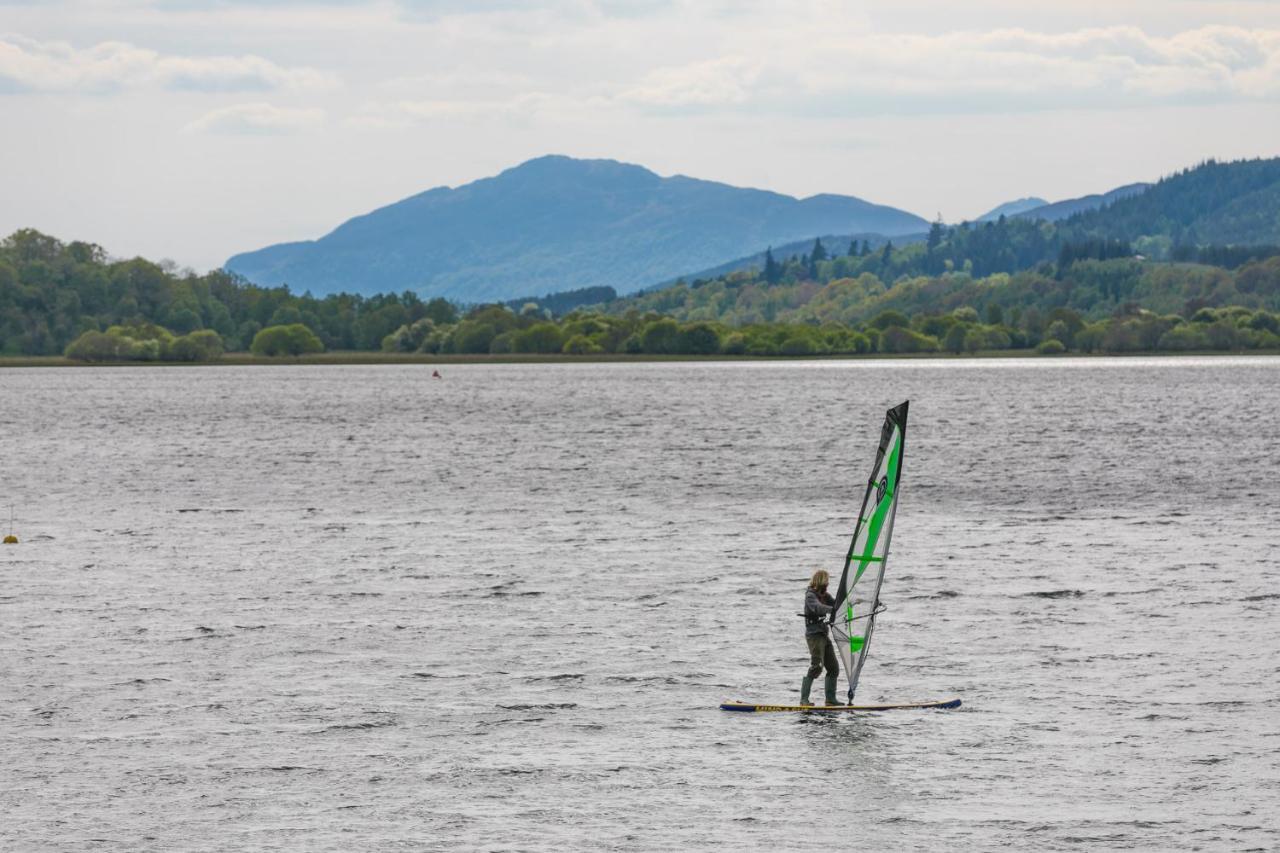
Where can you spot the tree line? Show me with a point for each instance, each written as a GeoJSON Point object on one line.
{"type": "Point", "coordinates": [53, 292]}
{"type": "Point", "coordinates": [70, 298]}
{"type": "Point", "coordinates": [1095, 279]}
{"type": "Point", "coordinates": [497, 330]}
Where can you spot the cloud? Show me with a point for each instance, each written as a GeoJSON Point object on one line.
{"type": "Point", "coordinates": [823, 66]}
{"type": "Point", "coordinates": [1007, 69]}
{"type": "Point", "coordinates": [27, 65]}
{"type": "Point", "coordinates": [257, 119]}
{"type": "Point", "coordinates": [519, 108]}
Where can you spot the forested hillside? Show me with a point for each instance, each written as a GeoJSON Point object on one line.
{"type": "Point", "coordinates": [51, 292]}
{"type": "Point", "coordinates": [1211, 207]}
{"type": "Point", "coordinates": [1212, 212]}
{"type": "Point", "coordinates": [1095, 280]}
{"type": "Point", "coordinates": [1230, 203]}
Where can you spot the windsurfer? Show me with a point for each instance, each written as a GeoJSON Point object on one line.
{"type": "Point", "coordinates": [818, 605]}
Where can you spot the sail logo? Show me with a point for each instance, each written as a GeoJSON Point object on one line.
{"type": "Point", "coordinates": [882, 488]}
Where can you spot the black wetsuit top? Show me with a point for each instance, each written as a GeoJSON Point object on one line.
{"type": "Point", "coordinates": [817, 607]}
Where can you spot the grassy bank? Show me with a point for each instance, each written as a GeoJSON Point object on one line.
{"type": "Point", "coordinates": [236, 359]}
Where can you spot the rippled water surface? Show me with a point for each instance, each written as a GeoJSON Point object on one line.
{"type": "Point", "coordinates": [338, 608]}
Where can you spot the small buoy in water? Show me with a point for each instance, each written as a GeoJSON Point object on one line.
{"type": "Point", "coordinates": [11, 539]}
{"type": "Point", "coordinates": [435, 374]}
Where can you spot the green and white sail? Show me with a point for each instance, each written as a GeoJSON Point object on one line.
{"type": "Point", "coordinates": [858, 596]}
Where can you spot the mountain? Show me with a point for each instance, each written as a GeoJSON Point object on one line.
{"type": "Point", "coordinates": [555, 224]}
{"type": "Point", "coordinates": [1060, 210]}
{"type": "Point", "coordinates": [1013, 208]}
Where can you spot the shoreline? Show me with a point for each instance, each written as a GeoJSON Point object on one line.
{"type": "Point", "coordinates": [380, 358]}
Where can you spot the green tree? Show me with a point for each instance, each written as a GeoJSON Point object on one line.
{"type": "Point", "coordinates": [540, 338]}
{"type": "Point", "coordinates": [285, 315]}
{"type": "Point", "coordinates": [471, 337]}
{"type": "Point", "coordinates": [797, 344]}
{"type": "Point", "coordinates": [201, 345]}
{"type": "Point", "coordinates": [897, 339]}
{"type": "Point", "coordinates": [734, 344]}
{"type": "Point", "coordinates": [819, 252]}
{"type": "Point", "coordinates": [1184, 337]}
{"type": "Point", "coordinates": [1058, 331]}
{"type": "Point", "coordinates": [442, 312]}
{"type": "Point", "coordinates": [699, 339]}
{"type": "Point", "coordinates": [182, 319]}
{"type": "Point", "coordinates": [294, 339]}
{"type": "Point", "coordinates": [661, 337]}
{"type": "Point", "coordinates": [772, 271]}
{"type": "Point", "coordinates": [936, 232]}
{"type": "Point", "coordinates": [247, 331]}
{"type": "Point", "coordinates": [100, 347]}
{"type": "Point", "coordinates": [885, 319]}
{"type": "Point", "coordinates": [581, 345]}
{"type": "Point", "coordinates": [1223, 335]}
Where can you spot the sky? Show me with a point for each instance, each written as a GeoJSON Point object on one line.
{"type": "Point", "coordinates": [190, 130]}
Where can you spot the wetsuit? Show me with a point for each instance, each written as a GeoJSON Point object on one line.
{"type": "Point", "coordinates": [817, 607]}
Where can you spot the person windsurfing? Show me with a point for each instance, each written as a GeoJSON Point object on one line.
{"type": "Point", "coordinates": [818, 605]}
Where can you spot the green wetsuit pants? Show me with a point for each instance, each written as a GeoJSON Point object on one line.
{"type": "Point", "coordinates": [821, 654]}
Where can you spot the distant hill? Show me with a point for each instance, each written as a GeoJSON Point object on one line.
{"type": "Point", "coordinates": [1215, 222]}
{"type": "Point", "coordinates": [1211, 205]}
{"type": "Point", "coordinates": [1013, 208]}
{"type": "Point", "coordinates": [555, 224]}
{"type": "Point", "coordinates": [1060, 210]}
{"type": "Point", "coordinates": [1214, 203]}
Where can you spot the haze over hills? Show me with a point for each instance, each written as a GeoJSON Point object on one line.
{"type": "Point", "coordinates": [1012, 208]}
{"type": "Point", "coordinates": [554, 224]}
{"type": "Point", "coordinates": [1059, 210]}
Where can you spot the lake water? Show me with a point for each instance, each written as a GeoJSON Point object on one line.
{"type": "Point", "coordinates": [338, 608]}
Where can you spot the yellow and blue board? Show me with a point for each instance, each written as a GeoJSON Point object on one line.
{"type": "Point", "coordinates": [750, 707]}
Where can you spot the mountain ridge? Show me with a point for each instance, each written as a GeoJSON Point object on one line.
{"type": "Point", "coordinates": [1068, 207]}
{"type": "Point", "coordinates": [538, 226]}
{"type": "Point", "coordinates": [1013, 208]}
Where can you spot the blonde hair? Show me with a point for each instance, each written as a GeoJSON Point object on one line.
{"type": "Point", "coordinates": [819, 580]}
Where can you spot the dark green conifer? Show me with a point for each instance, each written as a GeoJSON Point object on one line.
{"type": "Point", "coordinates": [772, 270]}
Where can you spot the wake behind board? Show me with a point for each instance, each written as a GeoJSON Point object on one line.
{"type": "Point", "coordinates": [898, 706]}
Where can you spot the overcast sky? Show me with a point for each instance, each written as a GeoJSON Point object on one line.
{"type": "Point", "coordinates": [195, 129]}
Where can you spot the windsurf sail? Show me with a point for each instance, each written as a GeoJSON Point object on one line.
{"type": "Point", "coordinates": [858, 596]}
